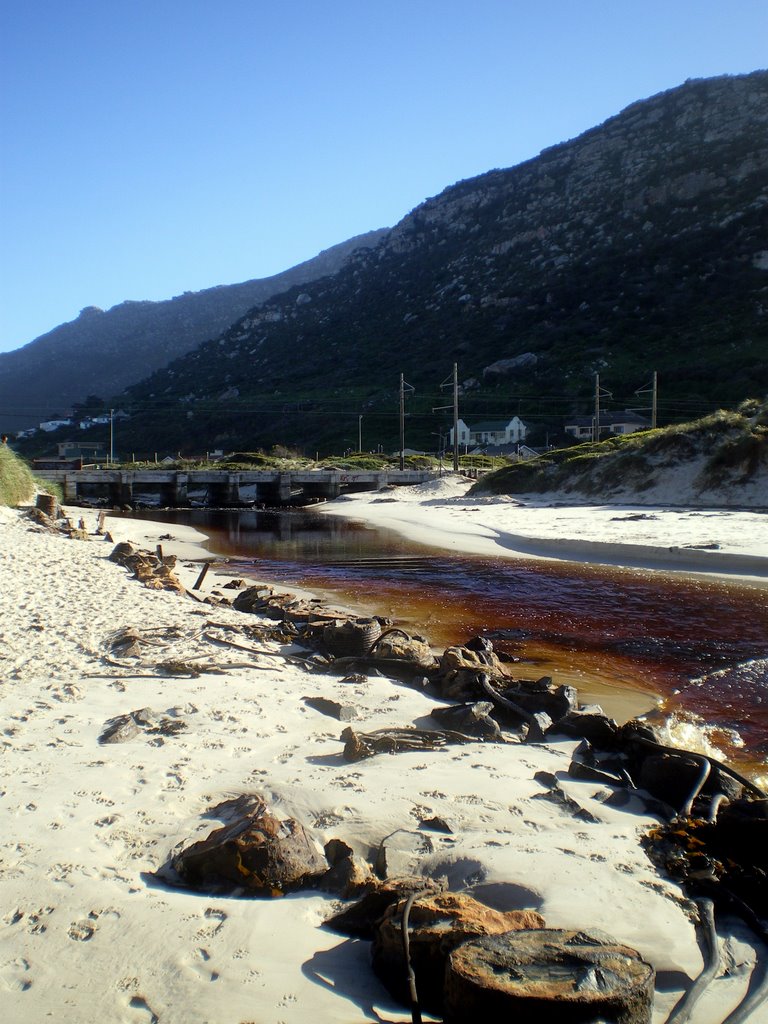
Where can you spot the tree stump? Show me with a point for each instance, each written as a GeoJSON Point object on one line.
{"type": "Point", "coordinates": [528, 977]}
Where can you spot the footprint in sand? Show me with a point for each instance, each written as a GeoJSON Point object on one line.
{"type": "Point", "coordinates": [216, 919]}
{"type": "Point", "coordinates": [175, 780]}
{"type": "Point", "coordinates": [200, 965]}
{"type": "Point", "coordinates": [83, 930]}
{"type": "Point", "coordinates": [147, 1013]}
{"type": "Point", "coordinates": [14, 975]}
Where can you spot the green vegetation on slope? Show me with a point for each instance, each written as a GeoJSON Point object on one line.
{"type": "Point", "coordinates": [16, 482]}
{"type": "Point", "coordinates": [733, 445]}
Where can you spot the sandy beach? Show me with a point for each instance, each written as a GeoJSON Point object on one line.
{"type": "Point", "coordinates": [88, 932]}
{"type": "Point", "coordinates": [672, 536]}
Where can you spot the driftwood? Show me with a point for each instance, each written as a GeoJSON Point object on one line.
{"type": "Point", "coordinates": [537, 722]}
{"type": "Point", "coordinates": [359, 745]}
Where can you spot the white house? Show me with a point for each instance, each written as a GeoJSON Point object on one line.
{"type": "Point", "coordinates": [625, 422]}
{"type": "Point", "coordinates": [50, 425]}
{"type": "Point", "coordinates": [491, 432]}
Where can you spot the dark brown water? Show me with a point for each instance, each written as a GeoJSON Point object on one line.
{"type": "Point", "coordinates": [621, 636]}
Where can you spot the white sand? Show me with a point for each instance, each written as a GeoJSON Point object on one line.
{"type": "Point", "coordinates": [728, 542]}
{"type": "Point", "coordinates": [87, 934]}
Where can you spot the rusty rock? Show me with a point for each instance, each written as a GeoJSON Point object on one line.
{"type": "Point", "coordinates": [258, 852]}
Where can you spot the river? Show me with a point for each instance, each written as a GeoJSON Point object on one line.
{"type": "Point", "coordinates": [695, 648]}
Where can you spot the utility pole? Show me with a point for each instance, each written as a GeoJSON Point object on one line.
{"type": "Point", "coordinates": [360, 433]}
{"type": "Point", "coordinates": [654, 399]}
{"type": "Point", "coordinates": [599, 393]}
{"type": "Point", "coordinates": [596, 427]}
{"type": "Point", "coordinates": [111, 436]}
{"type": "Point", "coordinates": [455, 417]}
{"type": "Point", "coordinates": [653, 388]}
{"type": "Point", "coordinates": [403, 386]}
{"type": "Point", "coordinates": [453, 381]}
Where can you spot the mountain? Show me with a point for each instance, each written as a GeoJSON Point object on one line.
{"type": "Point", "coordinates": [639, 246]}
{"type": "Point", "coordinates": [103, 352]}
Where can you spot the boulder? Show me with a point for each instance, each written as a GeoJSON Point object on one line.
{"type": "Point", "coordinates": [347, 876]}
{"type": "Point", "coordinates": [592, 724]}
{"type": "Point", "coordinates": [672, 777]}
{"type": "Point", "coordinates": [459, 667]}
{"type": "Point", "coordinates": [543, 695]}
{"type": "Point", "coordinates": [471, 719]}
{"type": "Point", "coordinates": [438, 923]}
{"type": "Point", "coordinates": [396, 644]}
{"type": "Point", "coordinates": [534, 976]}
{"type": "Point", "coordinates": [360, 919]}
{"type": "Point", "coordinates": [332, 708]}
{"type": "Point", "coordinates": [257, 852]}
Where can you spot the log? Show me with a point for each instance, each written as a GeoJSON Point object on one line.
{"type": "Point", "coordinates": [548, 975]}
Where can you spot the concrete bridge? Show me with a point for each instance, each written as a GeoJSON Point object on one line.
{"type": "Point", "coordinates": [221, 488]}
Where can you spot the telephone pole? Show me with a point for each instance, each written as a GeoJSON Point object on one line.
{"type": "Point", "coordinates": [653, 389]}
{"type": "Point", "coordinates": [453, 381]}
{"type": "Point", "coordinates": [403, 386]}
{"type": "Point", "coordinates": [599, 393]}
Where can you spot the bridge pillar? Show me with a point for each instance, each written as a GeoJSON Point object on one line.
{"type": "Point", "coordinates": [180, 485]}
{"type": "Point", "coordinates": [70, 487]}
{"type": "Point", "coordinates": [121, 489]}
{"type": "Point", "coordinates": [277, 491]}
{"type": "Point", "coordinates": [226, 492]}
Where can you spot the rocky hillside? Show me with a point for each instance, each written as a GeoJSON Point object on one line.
{"type": "Point", "coordinates": [719, 460]}
{"type": "Point", "coordinates": [102, 352]}
{"type": "Point", "coordinates": [638, 246]}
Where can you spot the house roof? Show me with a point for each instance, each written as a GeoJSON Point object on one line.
{"type": "Point", "coordinates": [490, 425]}
{"type": "Point", "coordinates": [609, 419]}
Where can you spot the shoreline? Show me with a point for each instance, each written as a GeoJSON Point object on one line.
{"type": "Point", "coordinates": [729, 543]}
{"type": "Point", "coordinates": [90, 933]}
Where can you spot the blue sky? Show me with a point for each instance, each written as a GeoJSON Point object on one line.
{"type": "Point", "coordinates": [151, 148]}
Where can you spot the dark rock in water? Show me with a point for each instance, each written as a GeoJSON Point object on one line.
{"type": "Point", "coordinates": [593, 725]}
{"type": "Point", "coordinates": [542, 695]}
{"type": "Point", "coordinates": [541, 975]}
{"type": "Point", "coordinates": [671, 777]}
{"type": "Point", "coordinates": [471, 719]}
{"type": "Point", "coordinates": [258, 852]}
{"type": "Point", "coordinates": [479, 643]}
{"type": "Point", "coordinates": [438, 923]}
{"type": "Point", "coordinates": [459, 669]}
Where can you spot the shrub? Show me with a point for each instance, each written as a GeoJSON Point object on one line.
{"type": "Point", "coordinates": [16, 482]}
